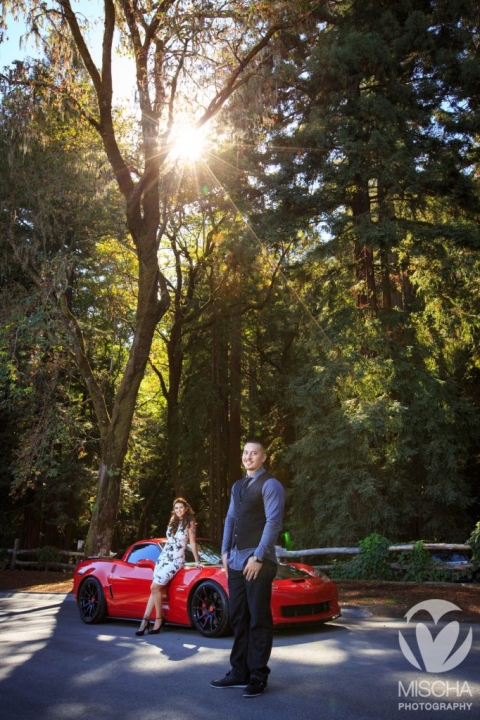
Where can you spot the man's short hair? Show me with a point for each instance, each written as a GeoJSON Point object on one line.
{"type": "Point", "coordinates": [255, 441]}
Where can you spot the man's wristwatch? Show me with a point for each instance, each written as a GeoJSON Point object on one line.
{"type": "Point", "coordinates": [256, 559]}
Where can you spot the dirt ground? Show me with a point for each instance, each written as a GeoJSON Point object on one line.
{"type": "Point", "coordinates": [381, 599]}
{"type": "Point", "coordinates": [393, 599]}
{"type": "Point", "coordinates": [36, 581]}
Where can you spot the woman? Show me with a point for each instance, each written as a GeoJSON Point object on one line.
{"type": "Point", "coordinates": [181, 530]}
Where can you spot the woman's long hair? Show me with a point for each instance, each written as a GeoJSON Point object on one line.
{"type": "Point", "coordinates": [187, 518]}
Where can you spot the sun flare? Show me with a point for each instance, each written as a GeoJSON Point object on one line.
{"type": "Point", "coordinates": [188, 143]}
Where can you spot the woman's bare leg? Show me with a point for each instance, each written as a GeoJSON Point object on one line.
{"type": "Point", "coordinates": [156, 595]}
{"type": "Point", "coordinates": [147, 613]}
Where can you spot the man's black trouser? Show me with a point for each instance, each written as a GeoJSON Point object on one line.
{"type": "Point", "coordinates": [251, 619]}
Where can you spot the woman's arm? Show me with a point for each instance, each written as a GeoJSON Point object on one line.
{"type": "Point", "coordinates": [192, 539]}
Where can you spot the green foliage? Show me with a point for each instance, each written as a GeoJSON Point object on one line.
{"type": "Point", "coordinates": [382, 444]}
{"type": "Point", "coordinates": [417, 565]}
{"type": "Point", "coordinates": [58, 224]}
{"type": "Point", "coordinates": [386, 404]}
{"type": "Point", "coordinates": [342, 324]}
{"type": "Point", "coordinates": [474, 542]}
{"type": "Point", "coordinates": [372, 563]}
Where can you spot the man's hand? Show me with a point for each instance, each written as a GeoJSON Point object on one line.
{"type": "Point", "coordinates": [225, 564]}
{"type": "Point", "coordinates": [252, 568]}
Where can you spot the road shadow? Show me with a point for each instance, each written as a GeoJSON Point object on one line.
{"type": "Point", "coordinates": [55, 667]}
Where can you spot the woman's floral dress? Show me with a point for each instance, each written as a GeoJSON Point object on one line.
{"type": "Point", "coordinates": [172, 557]}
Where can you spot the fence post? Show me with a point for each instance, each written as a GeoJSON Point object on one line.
{"type": "Point", "coordinates": [16, 546]}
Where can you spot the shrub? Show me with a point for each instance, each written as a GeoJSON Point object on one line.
{"type": "Point", "coordinates": [474, 542]}
{"type": "Point", "coordinates": [372, 563]}
{"type": "Point", "coordinates": [417, 565]}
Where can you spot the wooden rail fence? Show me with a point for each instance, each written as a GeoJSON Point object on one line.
{"type": "Point", "coordinates": [302, 554]}
{"type": "Point", "coordinates": [48, 564]}
{"type": "Point", "coordinates": [281, 554]}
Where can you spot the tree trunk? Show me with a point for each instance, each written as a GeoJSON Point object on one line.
{"type": "Point", "coordinates": [387, 300]}
{"type": "Point", "coordinates": [115, 439]}
{"type": "Point", "coordinates": [366, 294]}
{"type": "Point", "coordinates": [175, 368]}
{"type": "Point", "coordinates": [235, 390]}
{"type": "Point", "coordinates": [104, 511]}
{"type": "Point", "coordinates": [219, 431]}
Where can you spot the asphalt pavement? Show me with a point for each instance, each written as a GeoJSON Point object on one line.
{"type": "Point", "coordinates": [54, 667]}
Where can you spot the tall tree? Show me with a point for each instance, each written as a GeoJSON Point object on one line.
{"type": "Point", "coordinates": [165, 41]}
{"type": "Point", "coordinates": [54, 224]}
{"type": "Point", "coordinates": [370, 141]}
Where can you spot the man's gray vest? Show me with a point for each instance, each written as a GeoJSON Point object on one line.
{"type": "Point", "coordinates": [250, 515]}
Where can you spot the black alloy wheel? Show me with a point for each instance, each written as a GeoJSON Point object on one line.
{"type": "Point", "coordinates": [209, 610]}
{"type": "Point", "coordinates": [91, 601]}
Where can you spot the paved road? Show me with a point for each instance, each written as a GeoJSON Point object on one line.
{"type": "Point", "coordinates": [53, 667]}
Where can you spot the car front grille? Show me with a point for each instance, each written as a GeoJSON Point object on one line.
{"type": "Point", "coordinates": [303, 610]}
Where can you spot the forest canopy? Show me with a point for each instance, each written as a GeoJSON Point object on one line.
{"type": "Point", "coordinates": [302, 267]}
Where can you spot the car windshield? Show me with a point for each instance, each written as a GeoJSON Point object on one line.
{"type": "Point", "coordinates": [144, 551]}
{"type": "Point", "coordinates": [209, 555]}
{"type": "Point", "coordinates": [208, 552]}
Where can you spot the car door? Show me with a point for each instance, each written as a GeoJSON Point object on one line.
{"type": "Point", "coordinates": [130, 580]}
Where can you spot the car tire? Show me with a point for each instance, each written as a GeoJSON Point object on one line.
{"type": "Point", "coordinates": [91, 601]}
{"type": "Point", "coordinates": [209, 610]}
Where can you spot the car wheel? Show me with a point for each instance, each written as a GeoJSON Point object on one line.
{"type": "Point", "coordinates": [209, 610]}
{"type": "Point", "coordinates": [91, 601]}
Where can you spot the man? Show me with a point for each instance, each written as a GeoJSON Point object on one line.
{"type": "Point", "coordinates": [253, 521]}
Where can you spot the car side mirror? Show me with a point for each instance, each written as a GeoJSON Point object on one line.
{"type": "Point", "coordinates": [146, 563]}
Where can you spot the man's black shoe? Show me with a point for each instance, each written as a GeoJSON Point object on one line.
{"type": "Point", "coordinates": [255, 688]}
{"type": "Point", "coordinates": [229, 682]}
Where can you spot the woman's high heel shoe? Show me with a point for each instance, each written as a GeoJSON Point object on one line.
{"type": "Point", "coordinates": [155, 632]}
{"type": "Point", "coordinates": [145, 627]}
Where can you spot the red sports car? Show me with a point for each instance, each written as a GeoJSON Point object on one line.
{"type": "Point", "coordinates": [118, 587]}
